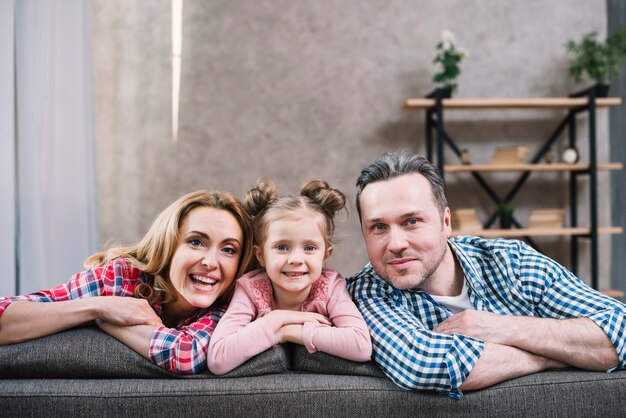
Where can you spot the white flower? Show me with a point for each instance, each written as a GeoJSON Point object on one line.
{"type": "Point", "coordinates": [448, 38]}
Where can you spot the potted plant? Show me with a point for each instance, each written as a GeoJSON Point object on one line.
{"type": "Point", "coordinates": [449, 56]}
{"type": "Point", "coordinates": [505, 213]}
{"type": "Point", "coordinates": [599, 61]}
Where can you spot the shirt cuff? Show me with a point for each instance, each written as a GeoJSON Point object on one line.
{"type": "Point", "coordinates": [264, 325]}
{"type": "Point", "coordinates": [613, 321]}
{"type": "Point", "coordinates": [308, 331]}
{"type": "Point", "coordinates": [460, 360]}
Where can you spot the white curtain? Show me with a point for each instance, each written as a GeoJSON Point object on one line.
{"type": "Point", "coordinates": [48, 209]}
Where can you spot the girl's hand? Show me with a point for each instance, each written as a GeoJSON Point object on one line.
{"type": "Point", "coordinates": [290, 333]}
{"type": "Point", "coordinates": [119, 310]}
{"type": "Point", "coordinates": [280, 318]}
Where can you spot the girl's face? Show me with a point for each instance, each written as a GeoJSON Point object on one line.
{"type": "Point", "coordinates": [294, 252]}
{"type": "Point", "coordinates": [206, 258]}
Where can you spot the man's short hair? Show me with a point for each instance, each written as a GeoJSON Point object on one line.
{"type": "Point", "coordinates": [398, 163]}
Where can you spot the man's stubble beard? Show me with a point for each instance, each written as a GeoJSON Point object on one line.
{"type": "Point", "coordinates": [418, 280]}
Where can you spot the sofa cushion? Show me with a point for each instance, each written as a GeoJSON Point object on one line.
{"type": "Point", "coordinates": [567, 393]}
{"type": "Point", "coordinates": [88, 352]}
{"type": "Point", "coordinates": [323, 363]}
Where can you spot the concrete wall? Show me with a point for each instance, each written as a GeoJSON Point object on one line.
{"type": "Point", "coordinates": [297, 90]}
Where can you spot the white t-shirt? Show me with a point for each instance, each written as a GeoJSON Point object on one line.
{"type": "Point", "coordinates": [455, 303]}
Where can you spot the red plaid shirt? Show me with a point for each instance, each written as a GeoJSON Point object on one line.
{"type": "Point", "coordinates": [181, 350]}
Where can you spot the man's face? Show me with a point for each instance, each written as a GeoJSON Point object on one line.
{"type": "Point", "coordinates": [405, 233]}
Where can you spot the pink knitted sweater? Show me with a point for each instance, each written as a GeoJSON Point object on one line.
{"type": "Point", "coordinates": [243, 333]}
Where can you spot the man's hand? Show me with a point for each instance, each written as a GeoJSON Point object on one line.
{"type": "Point", "coordinates": [483, 325]}
{"type": "Point", "coordinates": [125, 311]}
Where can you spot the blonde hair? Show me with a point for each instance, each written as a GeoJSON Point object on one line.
{"type": "Point", "coordinates": [153, 254]}
{"type": "Point", "coordinates": [264, 206]}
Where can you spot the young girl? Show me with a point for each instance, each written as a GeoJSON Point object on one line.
{"type": "Point", "coordinates": [293, 298]}
{"type": "Point", "coordinates": [161, 297]}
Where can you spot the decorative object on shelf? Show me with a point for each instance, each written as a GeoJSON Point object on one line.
{"type": "Point", "coordinates": [449, 57]}
{"type": "Point", "coordinates": [570, 155]}
{"type": "Point", "coordinates": [600, 61]}
{"type": "Point", "coordinates": [548, 157]}
{"type": "Point", "coordinates": [505, 213]}
{"type": "Point", "coordinates": [509, 155]}
{"type": "Point", "coordinates": [546, 218]}
{"type": "Point", "coordinates": [465, 157]}
{"type": "Point", "coordinates": [465, 220]}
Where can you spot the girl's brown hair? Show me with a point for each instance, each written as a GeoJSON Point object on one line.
{"type": "Point", "coordinates": [263, 205]}
{"type": "Point", "coordinates": [153, 254]}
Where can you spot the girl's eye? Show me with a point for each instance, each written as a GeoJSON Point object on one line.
{"type": "Point", "coordinates": [281, 247]}
{"type": "Point", "coordinates": [310, 248]}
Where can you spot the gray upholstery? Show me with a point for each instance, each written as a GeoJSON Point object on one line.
{"type": "Point", "coordinates": [547, 394]}
{"type": "Point", "coordinates": [323, 363]}
{"type": "Point", "coordinates": [105, 378]}
{"type": "Point", "coordinates": [90, 353]}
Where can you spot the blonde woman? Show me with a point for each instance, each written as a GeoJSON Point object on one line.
{"type": "Point", "coordinates": [162, 297]}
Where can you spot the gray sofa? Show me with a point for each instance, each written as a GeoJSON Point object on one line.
{"type": "Point", "coordinates": [85, 372]}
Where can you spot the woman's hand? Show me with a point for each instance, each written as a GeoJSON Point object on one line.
{"type": "Point", "coordinates": [125, 311]}
{"type": "Point", "coordinates": [280, 318]}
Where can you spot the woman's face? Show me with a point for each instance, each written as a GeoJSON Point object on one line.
{"type": "Point", "coordinates": [206, 258]}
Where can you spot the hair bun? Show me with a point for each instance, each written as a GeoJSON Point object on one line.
{"type": "Point", "coordinates": [329, 200]}
{"type": "Point", "coordinates": [259, 197]}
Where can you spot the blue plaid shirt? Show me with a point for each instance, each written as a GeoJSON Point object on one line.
{"type": "Point", "coordinates": [506, 277]}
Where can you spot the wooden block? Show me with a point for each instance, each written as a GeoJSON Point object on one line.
{"type": "Point", "coordinates": [509, 155]}
{"type": "Point", "coordinates": [546, 218]}
{"type": "Point", "coordinates": [465, 220]}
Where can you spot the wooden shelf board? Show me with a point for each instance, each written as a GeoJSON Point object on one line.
{"type": "Point", "coordinates": [536, 232]}
{"type": "Point", "coordinates": [514, 103]}
{"type": "Point", "coordinates": [614, 293]}
{"type": "Point", "coordinates": [530, 167]}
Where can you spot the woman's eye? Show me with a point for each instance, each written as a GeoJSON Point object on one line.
{"type": "Point", "coordinates": [194, 242]}
{"type": "Point", "coordinates": [230, 250]}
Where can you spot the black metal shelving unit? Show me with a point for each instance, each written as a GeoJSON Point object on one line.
{"type": "Point", "coordinates": [437, 139]}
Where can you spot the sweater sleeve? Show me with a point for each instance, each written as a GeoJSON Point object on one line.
{"type": "Point", "coordinates": [348, 337]}
{"type": "Point", "coordinates": [239, 336]}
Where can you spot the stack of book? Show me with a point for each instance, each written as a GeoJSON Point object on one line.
{"type": "Point", "coordinates": [465, 220]}
{"type": "Point", "coordinates": [546, 218]}
{"type": "Point", "coordinates": [509, 155]}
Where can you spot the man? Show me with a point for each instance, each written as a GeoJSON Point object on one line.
{"type": "Point", "coordinates": [452, 314]}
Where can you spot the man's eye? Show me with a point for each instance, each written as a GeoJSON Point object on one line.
{"type": "Point", "coordinates": [378, 227]}
{"type": "Point", "coordinates": [411, 222]}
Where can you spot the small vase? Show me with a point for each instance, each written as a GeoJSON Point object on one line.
{"type": "Point", "coordinates": [445, 92]}
{"type": "Point", "coordinates": [506, 221]}
{"type": "Point", "coordinates": [601, 89]}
